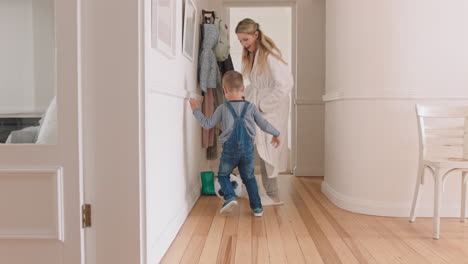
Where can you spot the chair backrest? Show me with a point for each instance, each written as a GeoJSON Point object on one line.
{"type": "Point", "coordinates": [443, 131]}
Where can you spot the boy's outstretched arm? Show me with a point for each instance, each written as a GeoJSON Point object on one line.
{"type": "Point", "coordinates": [205, 122]}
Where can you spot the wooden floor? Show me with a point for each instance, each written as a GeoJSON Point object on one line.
{"type": "Point", "coordinates": [310, 229]}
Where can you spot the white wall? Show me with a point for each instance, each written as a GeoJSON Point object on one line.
{"type": "Point", "coordinates": [383, 57]}
{"type": "Point", "coordinates": [27, 68]}
{"type": "Point", "coordinates": [174, 157]}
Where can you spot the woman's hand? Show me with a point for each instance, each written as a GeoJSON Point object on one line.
{"type": "Point", "coordinates": [275, 141]}
{"type": "Point", "coordinates": [194, 103]}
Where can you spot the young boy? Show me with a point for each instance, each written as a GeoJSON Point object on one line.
{"type": "Point", "coordinates": [238, 119]}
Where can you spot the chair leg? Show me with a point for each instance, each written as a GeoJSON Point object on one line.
{"type": "Point", "coordinates": [417, 190]}
{"type": "Point", "coordinates": [437, 203]}
{"type": "Point", "coordinates": [463, 197]}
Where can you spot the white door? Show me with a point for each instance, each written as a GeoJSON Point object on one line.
{"type": "Point", "coordinates": [40, 184]}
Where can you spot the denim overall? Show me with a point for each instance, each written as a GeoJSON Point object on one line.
{"type": "Point", "coordinates": [238, 151]}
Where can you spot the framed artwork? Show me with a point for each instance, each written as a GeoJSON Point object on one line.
{"type": "Point", "coordinates": [190, 15]}
{"type": "Point", "coordinates": [163, 27]}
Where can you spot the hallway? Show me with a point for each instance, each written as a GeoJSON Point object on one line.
{"type": "Point", "coordinates": [310, 229]}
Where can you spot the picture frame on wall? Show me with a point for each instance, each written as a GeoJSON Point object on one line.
{"type": "Point", "coordinates": [163, 27]}
{"type": "Point", "coordinates": [190, 16]}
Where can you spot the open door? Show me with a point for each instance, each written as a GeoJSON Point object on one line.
{"type": "Point", "coordinates": [40, 182]}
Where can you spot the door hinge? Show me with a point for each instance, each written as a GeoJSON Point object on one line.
{"type": "Point", "coordinates": [86, 215]}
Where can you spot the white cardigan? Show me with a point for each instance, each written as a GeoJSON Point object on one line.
{"type": "Point", "coordinates": [270, 91]}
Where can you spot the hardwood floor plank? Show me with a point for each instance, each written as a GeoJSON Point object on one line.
{"type": "Point", "coordinates": [227, 248]}
{"type": "Point", "coordinates": [259, 241]}
{"type": "Point", "coordinates": [182, 240]}
{"type": "Point", "coordinates": [308, 228]}
{"type": "Point", "coordinates": [290, 243]}
{"type": "Point", "coordinates": [306, 243]}
{"type": "Point", "coordinates": [323, 245]}
{"type": "Point", "coordinates": [195, 247]}
{"type": "Point", "coordinates": [360, 233]}
{"type": "Point", "coordinates": [380, 240]}
{"type": "Point", "coordinates": [213, 240]}
{"type": "Point", "coordinates": [275, 246]}
{"type": "Point", "coordinates": [409, 236]}
{"type": "Point", "coordinates": [244, 234]}
{"type": "Point", "coordinates": [352, 244]}
{"type": "Point", "coordinates": [451, 245]}
{"type": "Point", "coordinates": [375, 241]}
{"type": "Point", "coordinates": [341, 249]}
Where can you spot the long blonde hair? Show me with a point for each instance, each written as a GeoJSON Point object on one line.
{"type": "Point", "coordinates": [265, 46]}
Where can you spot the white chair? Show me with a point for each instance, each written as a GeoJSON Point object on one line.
{"type": "Point", "coordinates": [443, 149]}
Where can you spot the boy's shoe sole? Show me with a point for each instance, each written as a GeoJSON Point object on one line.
{"type": "Point", "coordinates": [257, 213]}
{"type": "Point", "coordinates": [228, 206]}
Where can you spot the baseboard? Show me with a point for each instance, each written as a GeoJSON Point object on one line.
{"type": "Point", "coordinates": [380, 208]}
{"type": "Point", "coordinates": [308, 171]}
{"type": "Point", "coordinates": [166, 238]}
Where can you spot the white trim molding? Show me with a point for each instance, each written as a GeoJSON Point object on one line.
{"type": "Point", "coordinates": [179, 93]}
{"type": "Point", "coordinates": [337, 97]}
{"type": "Point", "coordinates": [333, 96]}
{"type": "Point", "coordinates": [381, 208]}
{"type": "Point", "coordinates": [266, 3]}
{"type": "Point", "coordinates": [309, 102]}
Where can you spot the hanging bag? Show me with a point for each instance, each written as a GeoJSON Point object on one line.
{"type": "Point", "coordinates": [221, 49]}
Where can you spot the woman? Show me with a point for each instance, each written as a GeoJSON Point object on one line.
{"type": "Point", "coordinates": [270, 85]}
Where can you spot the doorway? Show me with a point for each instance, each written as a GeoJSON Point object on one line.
{"type": "Point", "coordinates": [278, 22]}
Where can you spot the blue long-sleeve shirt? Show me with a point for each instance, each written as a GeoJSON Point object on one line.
{"type": "Point", "coordinates": [223, 115]}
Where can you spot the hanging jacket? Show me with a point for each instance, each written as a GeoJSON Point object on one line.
{"type": "Point", "coordinates": [207, 64]}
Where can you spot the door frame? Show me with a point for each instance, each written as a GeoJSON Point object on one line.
{"type": "Point", "coordinates": [114, 135]}
{"type": "Point", "coordinates": [293, 6]}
